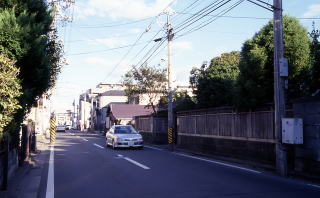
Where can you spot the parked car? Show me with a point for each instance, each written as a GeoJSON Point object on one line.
{"type": "Point", "coordinates": [61, 128]}
{"type": "Point", "coordinates": [68, 127]}
{"type": "Point", "coordinates": [123, 136]}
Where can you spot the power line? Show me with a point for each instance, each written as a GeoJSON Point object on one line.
{"type": "Point", "coordinates": [270, 9]}
{"type": "Point", "coordinates": [114, 25]}
{"type": "Point", "coordinates": [192, 5]}
{"type": "Point", "coordinates": [247, 17]}
{"type": "Point", "coordinates": [148, 28]}
{"type": "Point", "coordinates": [203, 24]}
{"type": "Point", "coordinates": [109, 49]}
{"type": "Point", "coordinates": [202, 13]}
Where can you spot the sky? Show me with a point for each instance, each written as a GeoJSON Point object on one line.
{"type": "Point", "coordinates": [104, 38]}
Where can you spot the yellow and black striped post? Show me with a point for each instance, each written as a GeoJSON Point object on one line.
{"type": "Point", "coordinates": [52, 129]}
{"type": "Point", "coordinates": [170, 137]}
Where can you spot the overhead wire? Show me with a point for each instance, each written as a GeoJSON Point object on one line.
{"type": "Point", "coordinates": [114, 25]}
{"type": "Point", "coordinates": [202, 13]}
{"type": "Point", "coordinates": [136, 42]}
{"type": "Point", "coordinates": [105, 50]}
{"type": "Point", "coordinates": [207, 22]}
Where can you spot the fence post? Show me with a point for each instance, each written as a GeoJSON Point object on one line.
{"type": "Point", "coordinates": [33, 145]}
{"type": "Point", "coordinates": [24, 144]}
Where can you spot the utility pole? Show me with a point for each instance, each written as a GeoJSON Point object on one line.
{"type": "Point", "coordinates": [84, 111]}
{"type": "Point", "coordinates": [279, 87]}
{"type": "Point", "coordinates": [171, 134]}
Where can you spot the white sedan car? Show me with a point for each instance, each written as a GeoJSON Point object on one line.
{"type": "Point", "coordinates": [123, 136]}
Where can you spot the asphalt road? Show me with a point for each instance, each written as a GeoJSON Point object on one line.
{"type": "Point", "coordinates": [84, 167]}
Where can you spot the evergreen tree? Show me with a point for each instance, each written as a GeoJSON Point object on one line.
{"type": "Point", "coordinates": [255, 82]}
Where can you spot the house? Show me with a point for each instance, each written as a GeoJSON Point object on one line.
{"type": "Point", "coordinates": [124, 113]}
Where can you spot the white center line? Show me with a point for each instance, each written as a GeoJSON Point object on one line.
{"type": "Point", "coordinates": [97, 145]}
{"type": "Point", "coordinates": [136, 163]}
{"type": "Point", "coordinates": [120, 155]}
{"type": "Point", "coordinates": [155, 148]}
{"type": "Point", "coordinates": [220, 163]}
{"type": "Point", "coordinates": [50, 181]}
{"type": "Point", "coordinates": [85, 139]}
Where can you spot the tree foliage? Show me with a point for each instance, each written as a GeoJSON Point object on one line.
{"type": "Point", "coordinates": [315, 59]}
{"type": "Point", "coordinates": [215, 84]}
{"type": "Point", "coordinates": [10, 90]}
{"type": "Point", "coordinates": [181, 101]}
{"type": "Point", "coordinates": [27, 37]}
{"type": "Point", "coordinates": [145, 80]}
{"type": "Point", "coordinates": [255, 83]}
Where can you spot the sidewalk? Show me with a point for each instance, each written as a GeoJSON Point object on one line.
{"type": "Point", "coordinates": [26, 181]}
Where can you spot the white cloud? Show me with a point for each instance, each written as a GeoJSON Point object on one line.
{"type": "Point", "coordinates": [122, 8]}
{"type": "Point", "coordinates": [313, 11]}
{"type": "Point", "coordinates": [135, 30]}
{"type": "Point", "coordinates": [182, 45]}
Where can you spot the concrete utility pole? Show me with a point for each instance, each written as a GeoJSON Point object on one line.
{"type": "Point", "coordinates": [279, 88]}
{"type": "Point", "coordinates": [171, 134]}
{"type": "Point", "coordinates": [84, 111]}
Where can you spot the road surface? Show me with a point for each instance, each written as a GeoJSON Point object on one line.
{"type": "Point", "coordinates": [81, 166]}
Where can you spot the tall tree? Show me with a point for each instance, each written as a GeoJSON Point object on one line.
{"type": "Point", "coordinates": [27, 37]}
{"type": "Point", "coordinates": [255, 83]}
{"type": "Point", "coordinates": [146, 81]}
{"type": "Point", "coordinates": [315, 59]}
{"type": "Point", "coordinates": [215, 84]}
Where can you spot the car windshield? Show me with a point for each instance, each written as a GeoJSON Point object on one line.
{"type": "Point", "coordinates": [124, 130]}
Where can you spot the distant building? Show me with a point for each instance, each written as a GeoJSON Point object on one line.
{"type": "Point", "coordinates": [95, 105]}
{"type": "Point", "coordinates": [124, 113]}
{"type": "Point", "coordinates": [40, 114]}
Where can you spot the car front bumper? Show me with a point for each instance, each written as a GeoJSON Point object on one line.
{"type": "Point", "coordinates": [129, 144]}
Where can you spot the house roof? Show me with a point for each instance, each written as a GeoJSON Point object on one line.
{"type": "Point", "coordinates": [129, 110]}
{"type": "Point", "coordinates": [113, 93]}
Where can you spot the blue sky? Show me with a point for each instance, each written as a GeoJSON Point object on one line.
{"type": "Point", "coordinates": [99, 27]}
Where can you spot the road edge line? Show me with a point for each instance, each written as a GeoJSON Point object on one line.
{"type": "Point", "coordinates": [50, 180]}
{"type": "Point", "coordinates": [219, 163]}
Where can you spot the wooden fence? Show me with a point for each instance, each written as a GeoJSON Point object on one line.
{"type": "Point", "coordinates": [228, 124]}
{"type": "Point", "coordinates": [151, 124]}
{"type": "Point", "coordinates": [153, 129]}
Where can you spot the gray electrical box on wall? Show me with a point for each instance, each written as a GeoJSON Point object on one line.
{"type": "Point", "coordinates": [292, 131]}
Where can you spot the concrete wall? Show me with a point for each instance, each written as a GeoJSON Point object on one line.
{"type": "Point", "coordinates": [307, 156]}
{"type": "Point", "coordinates": [262, 152]}
{"type": "Point", "coordinates": [12, 164]}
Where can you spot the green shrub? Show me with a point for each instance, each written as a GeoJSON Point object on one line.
{"type": "Point", "coordinates": [10, 90]}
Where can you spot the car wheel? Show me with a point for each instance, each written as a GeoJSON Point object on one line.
{"type": "Point", "coordinates": [107, 145]}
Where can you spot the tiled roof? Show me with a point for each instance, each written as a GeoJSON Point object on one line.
{"type": "Point", "coordinates": [113, 93]}
{"type": "Point", "coordinates": [129, 110]}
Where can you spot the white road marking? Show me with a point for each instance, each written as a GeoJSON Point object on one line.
{"type": "Point", "coordinates": [50, 181]}
{"type": "Point", "coordinates": [155, 148]}
{"type": "Point", "coordinates": [136, 163]}
{"type": "Point", "coordinates": [97, 145]}
{"type": "Point", "coordinates": [314, 185]}
{"type": "Point", "coordinates": [220, 163]}
{"type": "Point", "coordinates": [120, 155]}
{"type": "Point", "coordinates": [85, 139]}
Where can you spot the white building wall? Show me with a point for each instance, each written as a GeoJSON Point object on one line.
{"type": "Point", "coordinates": [105, 100]}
